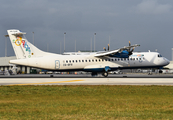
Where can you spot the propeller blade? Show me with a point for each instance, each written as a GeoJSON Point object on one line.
{"type": "Point", "coordinates": [129, 43]}
{"type": "Point", "coordinates": [131, 52]}
{"type": "Point", "coordinates": [133, 49]}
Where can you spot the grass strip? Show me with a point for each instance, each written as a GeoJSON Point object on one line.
{"type": "Point", "coordinates": [86, 102]}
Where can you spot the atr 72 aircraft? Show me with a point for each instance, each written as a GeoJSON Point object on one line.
{"type": "Point", "coordinates": [97, 62]}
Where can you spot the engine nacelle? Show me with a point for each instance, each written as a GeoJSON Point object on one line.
{"type": "Point", "coordinates": [123, 54]}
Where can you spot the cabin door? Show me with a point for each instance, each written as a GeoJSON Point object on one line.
{"type": "Point", "coordinates": [57, 64]}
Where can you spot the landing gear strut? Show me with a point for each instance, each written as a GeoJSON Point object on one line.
{"type": "Point", "coordinates": [105, 74]}
{"type": "Point", "coordinates": [51, 75]}
{"type": "Point", "coordinates": [93, 74]}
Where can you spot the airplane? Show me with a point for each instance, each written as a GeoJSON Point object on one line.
{"type": "Point", "coordinates": [95, 62]}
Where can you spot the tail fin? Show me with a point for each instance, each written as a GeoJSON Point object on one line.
{"type": "Point", "coordinates": [23, 48]}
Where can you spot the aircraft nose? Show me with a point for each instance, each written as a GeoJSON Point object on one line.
{"type": "Point", "coordinates": [166, 61]}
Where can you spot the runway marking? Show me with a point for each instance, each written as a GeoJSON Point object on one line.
{"type": "Point", "coordinates": [46, 82]}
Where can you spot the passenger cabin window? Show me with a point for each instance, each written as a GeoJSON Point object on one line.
{"type": "Point", "coordinates": [85, 60]}
{"type": "Point", "coordinates": [66, 61]}
{"type": "Point", "coordinates": [82, 60]}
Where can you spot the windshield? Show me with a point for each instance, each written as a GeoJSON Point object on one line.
{"type": "Point", "coordinates": [159, 55]}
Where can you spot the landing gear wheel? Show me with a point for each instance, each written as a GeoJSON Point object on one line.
{"type": "Point", "coordinates": [105, 74]}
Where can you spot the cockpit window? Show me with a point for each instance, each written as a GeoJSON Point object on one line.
{"type": "Point", "coordinates": [159, 55]}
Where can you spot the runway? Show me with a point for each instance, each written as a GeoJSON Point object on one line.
{"type": "Point", "coordinates": [86, 80]}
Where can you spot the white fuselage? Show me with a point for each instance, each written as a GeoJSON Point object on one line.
{"type": "Point", "coordinates": [90, 63]}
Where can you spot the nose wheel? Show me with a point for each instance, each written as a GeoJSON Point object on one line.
{"type": "Point", "coordinates": [105, 74]}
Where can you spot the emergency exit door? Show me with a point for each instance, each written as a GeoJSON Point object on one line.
{"type": "Point", "coordinates": [57, 64]}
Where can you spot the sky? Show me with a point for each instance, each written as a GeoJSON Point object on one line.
{"type": "Point", "coordinates": [145, 22]}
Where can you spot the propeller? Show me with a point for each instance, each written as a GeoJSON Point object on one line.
{"type": "Point", "coordinates": [129, 50]}
{"type": "Point", "coordinates": [105, 48]}
{"type": "Point", "coordinates": [129, 43]}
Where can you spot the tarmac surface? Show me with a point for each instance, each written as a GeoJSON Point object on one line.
{"type": "Point", "coordinates": [86, 79]}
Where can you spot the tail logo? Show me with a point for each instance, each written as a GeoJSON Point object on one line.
{"type": "Point", "coordinates": [19, 41]}
{"type": "Point", "coordinates": [25, 45]}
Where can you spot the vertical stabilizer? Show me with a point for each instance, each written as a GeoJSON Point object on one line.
{"type": "Point", "coordinates": [23, 48]}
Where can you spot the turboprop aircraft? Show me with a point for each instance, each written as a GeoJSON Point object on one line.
{"type": "Point", "coordinates": [95, 62]}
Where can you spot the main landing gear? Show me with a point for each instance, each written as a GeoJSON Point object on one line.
{"type": "Point", "coordinates": [93, 74]}
{"type": "Point", "coordinates": [105, 74]}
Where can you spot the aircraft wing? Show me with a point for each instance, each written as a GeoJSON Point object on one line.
{"type": "Point", "coordinates": [107, 53]}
